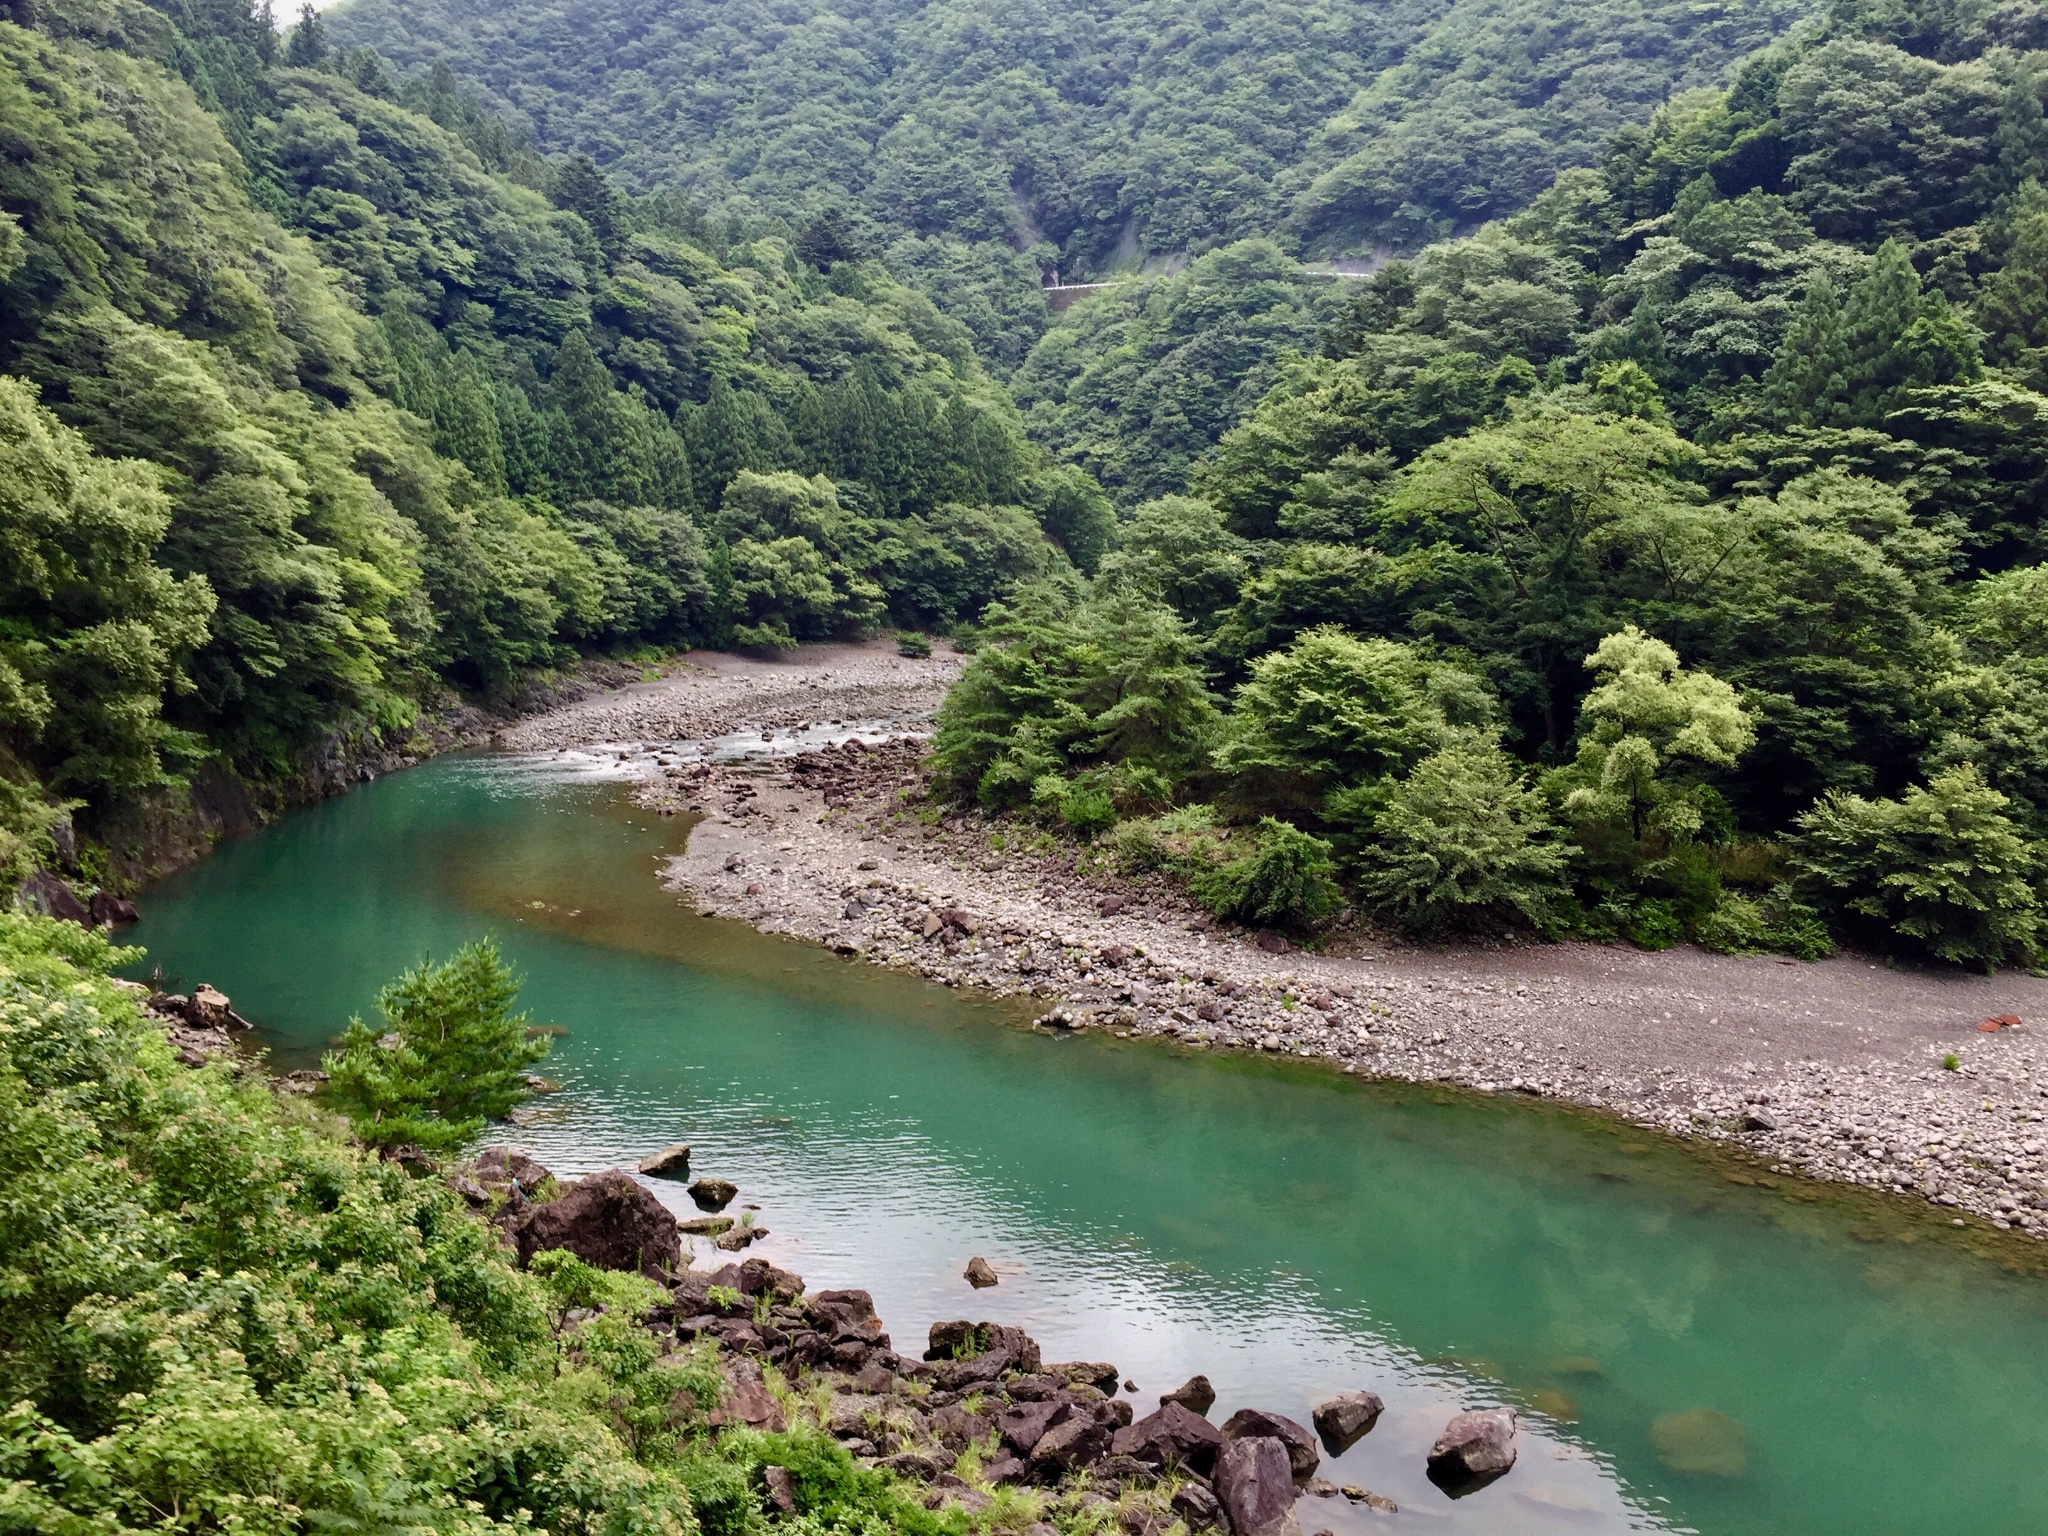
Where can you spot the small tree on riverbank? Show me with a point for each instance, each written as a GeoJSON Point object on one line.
{"type": "Point", "coordinates": [451, 1055]}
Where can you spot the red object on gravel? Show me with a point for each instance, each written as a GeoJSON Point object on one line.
{"type": "Point", "coordinates": [1993, 1025]}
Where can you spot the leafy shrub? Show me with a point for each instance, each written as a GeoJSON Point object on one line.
{"type": "Point", "coordinates": [914, 645]}
{"type": "Point", "coordinates": [1653, 924]}
{"type": "Point", "coordinates": [1164, 841]}
{"type": "Point", "coordinates": [451, 1055]}
{"type": "Point", "coordinates": [1942, 870]}
{"type": "Point", "coordinates": [1060, 688]}
{"type": "Point", "coordinates": [1087, 809]}
{"type": "Point", "coordinates": [1332, 710]}
{"type": "Point", "coordinates": [1460, 844]}
{"type": "Point", "coordinates": [1774, 925]}
{"type": "Point", "coordinates": [1285, 881]}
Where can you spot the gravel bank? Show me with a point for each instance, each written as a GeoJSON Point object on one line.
{"type": "Point", "coordinates": [1833, 1070]}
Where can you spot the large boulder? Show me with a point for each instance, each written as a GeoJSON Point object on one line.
{"type": "Point", "coordinates": [957, 1339]}
{"type": "Point", "coordinates": [746, 1398]}
{"type": "Point", "coordinates": [1254, 1482]}
{"type": "Point", "coordinates": [209, 1008]}
{"type": "Point", "coordinates": [712, 1194]}
{"type": "Point", "coordinates": [1473, 1450]}
{"type": "Point", "coordinates": [1256, 1423]}
{"type": "Point", "coordinates": [1023, 1426]}
{"type": "Point", "coordinates": [607, 1220]}
{"type": "Point", "coordinates": [47, 893]}
{"type": "Point", "coordinates": [1346, 1419]}
{"type": "Point", "coordinates": [1172, 1437]}
{"type": "Point", "coordinates": [1195, 1394]}
{"type": "Point", "coordinates": [1073, 1442]}
{"type": "Point", "coordinates": [760, 1278]}
{"type": "Point", "coordinates": [501, 1167]}
{"type": "Point", "coordinates": [671, 1162]}
{"type": "Point", "coordinates": [1196, 1504]}
{"type": "Point", "coordinates": [1099, 1374]}
{"type": "Point", "coordinates": [975, 1371]}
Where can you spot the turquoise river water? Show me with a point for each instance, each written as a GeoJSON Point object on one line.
{"type": "Point", "coordinates": [1689, 1350]}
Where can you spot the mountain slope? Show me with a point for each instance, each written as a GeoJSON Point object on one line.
{"type": "Point", "coordinates": [958, 134]}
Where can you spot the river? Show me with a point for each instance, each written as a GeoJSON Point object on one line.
{"type": "Point", "coordinates": [1691, 1350]}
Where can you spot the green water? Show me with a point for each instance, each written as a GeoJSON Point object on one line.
{"type": "Point", "coordinates": [1847, 1369]}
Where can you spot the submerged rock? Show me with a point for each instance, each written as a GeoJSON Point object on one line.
{"type": "Point", "coordinates": [1346, 1419]}
{"type": "Point", "coordinates": [1254, 1482]}
{"type": "Point", "coordinates": [607, 1220]}
{"type": "Point", "coordinates": [1475, 1449]}
{"type": "Point", "coordinates": [1701, 1443]}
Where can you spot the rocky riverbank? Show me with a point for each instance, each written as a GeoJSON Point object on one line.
{"type": "Point", "coordinates": [977, 1419]}
{"type": "Point", "coordinates": [806, 775]}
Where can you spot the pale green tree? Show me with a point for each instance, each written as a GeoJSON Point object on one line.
{"type": "Point", "coordinates": [1647, 721]}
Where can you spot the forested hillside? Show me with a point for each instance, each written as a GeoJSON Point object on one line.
{"type": "Point", "coordinates": [975, 145]}
{"type": "Point", "coordinates": [1665, 559]}
{"type": "Point", "coordinates": [320, 393]}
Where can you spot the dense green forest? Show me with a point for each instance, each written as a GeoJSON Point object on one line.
{"type": "Point", "coordinates": [1663, 560]}
{"type": "Point", "coordinates": [975, 146]}
{"type": "Point", "coordinates": [320, 394]}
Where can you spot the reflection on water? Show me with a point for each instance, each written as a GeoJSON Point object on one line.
{"type": "Point", "coordinates": [1687, 1351]}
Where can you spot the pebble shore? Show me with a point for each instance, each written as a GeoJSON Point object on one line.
{"type": "Point", "coordinates": [814, 825]}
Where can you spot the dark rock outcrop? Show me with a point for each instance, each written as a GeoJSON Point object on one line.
{"type": "Point", "coordinates": [1256, 1423]}
{"type": "Point", "coordinates": [1172, 1437]}
{"type": "Point", "coordinates": [1474, 1450]}
{"type": "Point", "coordinates": [1346, 1419]}
{"type": "Point", "coordinates": [1194, 1394]}
{"type": "Point", "coordinates": [607, 1220]}
{"type": "Point", "coordinates": [980, 1273]}
{"type": "Point", "coordinates": [1254, 1482]}
{"type": "Point", "coordinates": [47, 893]}
{"type": "Point", "coordinates": [111, 911]}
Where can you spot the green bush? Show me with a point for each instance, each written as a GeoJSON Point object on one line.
{"type": "Point", "coordinates": [1653, 924]}
{"type": "Point", "coordinates": [1461, 844]}
{"type": "Point", "coordinates": [914, 645]}
{"type": "Point", "coordinates": [451, 1055]}
{"type": "Point", "coordinates": [1286, 881]}
{"type": "Point", "coordinates": [1942, 870]}
{"type": "Point", "coordinates": [1774, 925]}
